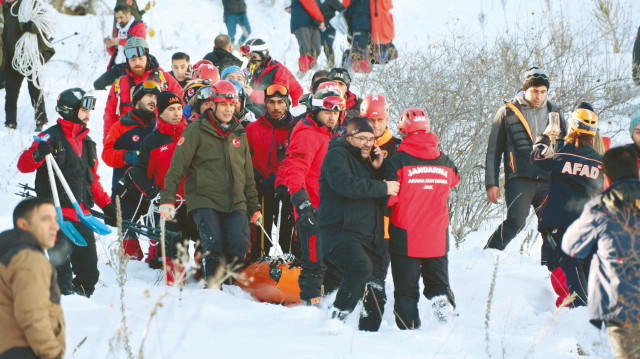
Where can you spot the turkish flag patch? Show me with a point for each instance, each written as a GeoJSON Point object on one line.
{"type": "Point", "coordinates": [135, 138]}
{"type": "Point", "coordinates": [236, 142]}
{"type": "Point", "coordinates": [180, 141]}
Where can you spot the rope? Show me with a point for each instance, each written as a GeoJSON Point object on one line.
{"type": "Point", "coordinates": [27, 59]}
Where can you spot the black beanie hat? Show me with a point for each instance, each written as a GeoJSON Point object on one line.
{"type": "Point", "coordinates": [535, 77]}
{"type": "Point", "coordinates": [358, 125]}
{"type": "Point", "coordinates": [341, 74]}
{"type": "Point", "coordinates": [166, 99]}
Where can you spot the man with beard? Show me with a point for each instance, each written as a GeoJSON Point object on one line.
{"type": "Point", "coordinates": [219, 188]}
{"type": "Point", "coordinates": [298, 176]}
{"type": "Point", "coordinates": [351, 221]}
{"type": "Point", "coordinates": [121, 149]}
{"type": "Point", "coordinates": [268, 141]}
{"type": "Point", "coordinates": [513, 131]}
{"type": "Point", "coordinates": [76, 154]}
{"type": "Point", "coordinates": [126, 26]}
{"type": "Point", "coordinates": [140, 68]}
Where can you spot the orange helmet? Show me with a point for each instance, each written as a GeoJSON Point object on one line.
{"type": "Point", "coordinates": [583, 121]}
{"type": "Point", "coordinates": [413, 120]}
{"type": "Point", "coordinates": [374, 106]}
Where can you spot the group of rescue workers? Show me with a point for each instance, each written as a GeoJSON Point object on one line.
{"type": "Point", "coordinates": [348, 198]}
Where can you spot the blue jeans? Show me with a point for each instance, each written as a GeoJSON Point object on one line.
{"type": "Point", "coordinates": [231, 20]}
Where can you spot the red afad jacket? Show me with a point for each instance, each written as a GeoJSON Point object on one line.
{"type": "Point", "coordinates": [119, 100]}
{"type": "Point", "coordinates": [301, 165]}
{"type": "Point", "coordinates": [265, 142]}
{"type": "Point", "coordinates": [137, 29]}
{"type": "Point", "coordinates": [419, 213]}
{"type": "Point", "coordinates": [275, 73]}
{"type": "Point", "coordinates": [75, 134]}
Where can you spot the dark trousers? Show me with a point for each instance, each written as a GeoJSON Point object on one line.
{"type": "Point", "coordinates": [406, 273]}
{"type": "Point", "coordinates": [327, 37]}
{"type": "Point", "coordinates": [573, 268]}
{"type": "Point", "coordinates": [363, 276]}
{"type": "Point", "coordinates": [270, 211]}
{"type": "Point", "coordinates": [13, 84]}
{"type": "Point", "coordinates": [311, 275]}
{"type": "Point", "coordinates": [70, 259]}
{"type": "Point", "coordinates": [308, 41]}
{"type": "Point", "coordinates": [112, 74]}
{"type": "Point", "coordinates": [520, 193]}
{"type": "Point", "coordinates": [222, 234]}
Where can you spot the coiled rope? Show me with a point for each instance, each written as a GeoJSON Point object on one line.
{"type": "Point", "coordinates": [27, 59]}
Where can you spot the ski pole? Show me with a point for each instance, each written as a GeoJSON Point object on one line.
{"type": "Point", "coordinates": [64, 38]}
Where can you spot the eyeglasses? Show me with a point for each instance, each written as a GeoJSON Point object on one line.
{"type": "Point", "coordinates": [364, 140]}
{"type": "Point", "coordinates": [277, 89]}
{"type": "Point", "coordinates": [88, 102]}
{"type": "Point", "coordinates": [331, 103]}
{"type": "Point", "coordinates": [134, 52]}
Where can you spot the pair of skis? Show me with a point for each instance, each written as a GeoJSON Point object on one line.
{"type": "Point", "coordinates": [87, 219]}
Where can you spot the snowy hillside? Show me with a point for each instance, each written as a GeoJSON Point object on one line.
{"type": "Point", "coordinates": [196, 323]}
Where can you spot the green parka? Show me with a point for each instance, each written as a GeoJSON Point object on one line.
{"type": "Point", "coordinates": [219, 173]}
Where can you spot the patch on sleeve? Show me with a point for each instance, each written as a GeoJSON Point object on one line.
{"type": "Point", "coordinates": [300, 155]}
{"type": "Point", "coordinates": [180, 141]}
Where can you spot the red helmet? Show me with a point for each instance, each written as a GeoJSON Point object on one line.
{"type": "Point", "coordinates": [374, 106]}
{"type": "Point", "coordinates": [413, 120]}
{"type": "Point", "coordinates": [224, 91]}
{"type": "Point", "coordinates": [206, 72]}
{"type": "Point", "coordinates": [330, 85]}
{"type": "Point", "coordinates": [197, 64]}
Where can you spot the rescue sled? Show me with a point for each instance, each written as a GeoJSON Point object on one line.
{"type": "Point", "coordinates": [272, 280]}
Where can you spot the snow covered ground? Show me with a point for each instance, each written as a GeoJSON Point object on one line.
{"type": "Point", "coordinates": [522, 321]}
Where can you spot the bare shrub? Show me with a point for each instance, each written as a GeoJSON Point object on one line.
{"type": "Point", "coordinates": [612, 20]}
{"type": "Point", "coordinates": [462, 82]}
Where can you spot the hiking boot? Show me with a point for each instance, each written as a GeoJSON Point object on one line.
{"type": "Point", "coordinates": [442, 309]}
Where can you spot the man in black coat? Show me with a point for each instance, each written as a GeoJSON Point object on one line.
{"type": "Point", "coordinates": [221, 56]}
{"type": "Point", "coordinates": [351, 222]}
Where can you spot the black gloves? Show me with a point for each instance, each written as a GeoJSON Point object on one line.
{"type": "Point", "coordinates": [43, 149]}
{"type": "Point", "coordinates": [282, 192]}
{"type": "Point", "coordinates": [29, 26]}
{"type": "Point", "coordinates": [307, 214]}
{"type": "Point", "coordinates": [111, 215]}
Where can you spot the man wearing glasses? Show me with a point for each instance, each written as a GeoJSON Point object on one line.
{"type": "Point", "coordinates": [352, 225]}
{"type": "Point", "coordinates": [513, 131]}
{"type": "Point", "coordinates": [268, 140]}
{"type": "Point", "coordinates": [76, 155]}
{"type": "Point", "coordinates": [140, 68]}
{"type": "Point", "coordinates": [264, 71]}
{"type": "Point", "coordinates": [298, 175]}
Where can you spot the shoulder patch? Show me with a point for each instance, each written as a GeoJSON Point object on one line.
{"type": "Point", "coordinates": [180, 141]}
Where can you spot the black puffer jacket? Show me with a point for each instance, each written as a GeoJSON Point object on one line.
{"type": "Point", "coordinates": [511, 141]}
{"type": "Point", "coordinates": [351, 198]}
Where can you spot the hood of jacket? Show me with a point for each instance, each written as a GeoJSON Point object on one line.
{"type": "Point", "coordinates": [17, 239]}
{"type": "Point", "coordinates": [623, 196]}
{"type": "Point", "coordinates": [422, 145]}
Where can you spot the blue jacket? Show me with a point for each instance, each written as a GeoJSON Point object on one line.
{"type": "Point", "coordinates": [300, 17]}
{"type": "Point", "coordinates": [359, 15]}
{"type": "Point", "coordinates": [609, 227]}
{"type": "Point", "coordinates": [576, 176]}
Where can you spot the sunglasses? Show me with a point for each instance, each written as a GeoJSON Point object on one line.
{"type": "Point", "coordinates": [134, 52]}
{"type": "Point", "coordinates": [277, 89]}
{"type": "Point", "coordinates": [331, 103]}
{"type": "Point", "coordinates": [88, 102]}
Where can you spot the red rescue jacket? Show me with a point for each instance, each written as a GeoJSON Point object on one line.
{"type": "Point", "coordinates": [419, 213]}
{"type": "Point", "coordinates": [75, 134]}
{"type": "Point", "coordinates": [265, 142]}
{"type": "Point", "coordinates": [302, 162]}
{"type": "Point", "coordinates": [275, 73]}
{"type": "Point", "coordinates": [119, 100]}
{"type": "Point", "coordinates": [137, 29]}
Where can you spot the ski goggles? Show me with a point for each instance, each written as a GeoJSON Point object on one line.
{"type": "Point", "coordinates": [276, 89]}
{"type": "Point", "coordinates": [246, 49]}
{"type": "Point", "coordinates": [331, 103]}
{"type": "Point", "coordinates": [134, 52]}
{"type": "Point", "coordinates": [88, 102]}
{"type": "Point", "coordinates": [150, 85]}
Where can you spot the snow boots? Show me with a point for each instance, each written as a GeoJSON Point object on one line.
{"type": "Point", "coordinates": [132, 249]}
{"type": "Point", "coordinates": [406, 313]}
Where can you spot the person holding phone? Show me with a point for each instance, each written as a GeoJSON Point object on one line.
{"type": "Point", "coordinates": [352, 196]}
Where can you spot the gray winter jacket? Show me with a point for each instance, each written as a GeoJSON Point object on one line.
{"type": "Point", "coordinates": [511, 140]}
{"type": "Point", "coordinates": [609, 227]}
